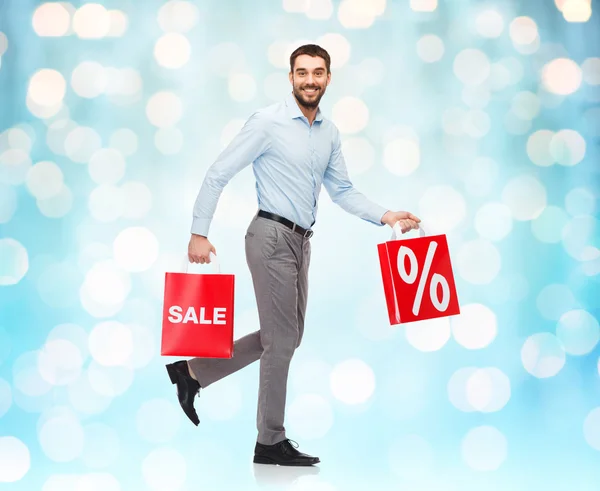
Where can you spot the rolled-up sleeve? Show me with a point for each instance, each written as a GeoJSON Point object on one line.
{"type": "Point", "coordinates": [342, 192]}
{"type": "Point", "coordinates": [249, 144]}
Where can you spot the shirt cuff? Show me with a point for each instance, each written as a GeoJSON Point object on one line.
{"type": "Point", "coordinates": [377, 214]}
{"type": "Point", "coordinates": [200, 226]}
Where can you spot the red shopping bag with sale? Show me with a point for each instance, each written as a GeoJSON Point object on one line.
{"type": "Point", "coordinates": [417, 278]}
{"type": "Point", "coordinates": [198, 314]}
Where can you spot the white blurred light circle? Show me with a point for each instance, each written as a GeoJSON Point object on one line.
{"type": "Point", "coordinates": [242, 87]}
{"type": "Point", "coordinates": [430, 48]}
{"type": "Point", "coordinates": [578, 331]}
{"type": "Point", "coordinates": [554, 300]}
{"type": "Point", "coordinates": [106, 203]}
{"type": "Point", "coordinates": [98, 481]}
{"type": "Point", "coordinates": [295, 6]}
{"type": "Point", "coordinates": [423, 5]}
{"type": "Point", "coordinates": [20, 137]}
{"type": "Point", "coordinates": [107, 283]}
{"type": "Point", "coordinates": [44, 180]}
{"type": "Point", "coordinates": [350, 115]}
{"type": "Point", "coordinates": [319, 10]}
{"type": "Point", "coordinates": [476, 326]}
{"type": "Point", "coordinates": [523, 31]}
{"type": "Point", "coordinates": [359, 155]}
{"type": "Point", "coordinates": [562, 76]}
{"type": "Point", "coordinates": [442, 208]}
{"type": "Point", "coordinates": [543, 355]}
{"type": "Point", "coordinates": [577, 10]}
{"type": "Point", "coordinates": [472, 66]}
{"type": "Point", "coordinates": [61, 482]}
{"type": "Point", "coordinates": [525, 196]}
{"type": "Point", "coordinates": [549, 225]}
{"type": "Point", "coordinates": [15, 459]}
{"type": "Point", "coordinates": [488, 390]}
{"type": "Point", "coordinates": [591, 428]}
{"type": "Point", "coordinates": [493, 221]}
{"type": "Point", "coordinates": [172, 50]}
{"type": "Point", "coordinates": [478, 262]}
{"type": "Point", "coordinates": [477, 124]}
{"type": "Point", "coordinates": [591, 71]}
{"type": "Point", "coordinates": [538, 147]}
{"type": "Point", "coordinates": [107, 166]}
{"type": "Point", "coordinates": [178, 16]}
{"type": "Point", "coordinates": [124, 140]}
{"type": "Point", "coordinates": [355, 14]}
{"type": "Point", "coordinates": [101, 446]}
{"type": "Point", "coordinates": [164, 468]}
{"type": "Point", "coordinates": [137, 199]}
{"type": "Point", "coordinates": [428, 335]}
{"type": "Point", "coordinates": [144, 346]}
{"type": "Point", "coordinates": [57, 135]}
{"type": "Point", "coordinates": [81, 143]}
{"type": "Point", "coordinates": [109, 381]}
{"type": "Point", "coordinates": [164, 109]}
{"type": "Point", "coordinates": [51, 20]}
{"type": "Point", "coordinates": [457, 389]}
{"type": "Point", "coordinates": [135, 249]}
{"type": "Point", "coordinates": [489, 23]}
{"type": "Point", "coordinates": [526, 105]}
{"type": "Point", "coordinates": [352, 381]}
{"type": "Point", "coordinates": [26, 376]}
{"type": "Point", "coordinates": [476, 97]}
{"type": "Point", "coordinates": [14, 261]}
{"type": "Point", "coordinates": [89, 79]}
{"type": "Point", "coordinates": [567, 147]}
{"type": "Point", "coordinates": [277, 55]}
{"type": "Point", "coordinates": [578, 236]}
{"type": "Point", "coordinates": [484, 448]}
{"type": "Point", "coordinates": [158, 420]}
{"type": "Point", "coordinates": [73, 333]}
{"type": "Point", "coordinates": [118, 23]}
{"type": "Point", "coordinates": [3, 43]}
{"type": "Point", "coordinates": [337, 46]}
{"type": "Point", "coordinates": [111, 343]}
{"type": "Point", "coordinates": [580, 201]}
{"type": "Point", "coordinates": [60, 362]}
{"type": "Point", "coordinates": [47, 87]}
{"type": "Point", "coordinates": [411, 457]}
{"type": "Point", "coordinates": [62, 438]}
{"type": "Point", "coordinates": [56, 206]}
{"type": "Point", "coordinates": [402, 156]}
{"type": "Point", "coordinates": [310, 416]}
{"type": "Point", "coordinates": [168, 141]}
{"type": "Point", "coordinates": [84, 399]}
{"type": "Point", "coordinates": [91, 21]}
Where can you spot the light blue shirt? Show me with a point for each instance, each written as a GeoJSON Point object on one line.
{"type": "Point", "coordinates": [291, 160]}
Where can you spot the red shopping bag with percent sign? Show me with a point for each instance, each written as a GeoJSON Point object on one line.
{"type": "Point", "coordinates": [417, 278]}
{"type": "Point", "coordinates": [198, 314]}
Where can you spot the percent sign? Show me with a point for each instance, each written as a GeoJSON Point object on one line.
{"type": "Point", "coordinates": [436, 279]}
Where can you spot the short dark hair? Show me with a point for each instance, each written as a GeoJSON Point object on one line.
{"type": "Point", "coordinates": [310, 50]}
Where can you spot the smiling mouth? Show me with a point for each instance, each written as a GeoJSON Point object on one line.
{"type": "Point", "coordinates": [311, 91]}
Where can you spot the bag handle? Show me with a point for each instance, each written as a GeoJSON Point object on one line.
{"type": "Point", "coordinates": [397, 231]}
{"type": "Point", "coordinates": [213, 260]}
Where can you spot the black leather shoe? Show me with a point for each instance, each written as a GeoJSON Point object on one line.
{"type": "Point", "coordinates": [187, 388]}
{"type": "Point", "coordinates": [282, 453]}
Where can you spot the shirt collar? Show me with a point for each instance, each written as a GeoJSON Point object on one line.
{"type": "Point", "coordinates": [294, 110]}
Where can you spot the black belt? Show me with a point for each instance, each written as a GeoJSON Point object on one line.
{"type": "Point", "coordinates": [288, 223]}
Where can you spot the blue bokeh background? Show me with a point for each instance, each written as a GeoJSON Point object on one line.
{"type": "Point", "coordinates": [483, 118]}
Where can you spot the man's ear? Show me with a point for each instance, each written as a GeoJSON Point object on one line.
{"type": "Point", "coordinates": [291, 77]}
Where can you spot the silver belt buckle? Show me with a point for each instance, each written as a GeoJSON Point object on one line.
{"type": "Point", "coordinates": [308, 234]}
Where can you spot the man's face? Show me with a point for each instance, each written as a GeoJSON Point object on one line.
{"type": "Point", "coordinates": [309, 80]}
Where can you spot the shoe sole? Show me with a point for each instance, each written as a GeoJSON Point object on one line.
{"type": "Point", "coordinates": [266, 460]}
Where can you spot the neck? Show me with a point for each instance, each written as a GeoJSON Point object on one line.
{"type": "Point", "coordinates": [309, 112]}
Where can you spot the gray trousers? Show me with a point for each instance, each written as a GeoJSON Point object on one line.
{"type": "Point", "coordinates": [278, 259]}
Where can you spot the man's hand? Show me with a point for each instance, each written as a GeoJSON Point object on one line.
{"type": "Point", "coordinates": [199, 249]}
{"type": "Point", "coordinates": [407, 221]}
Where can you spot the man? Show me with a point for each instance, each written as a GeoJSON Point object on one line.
{"type": "Point", "coordinates": [294, 150]}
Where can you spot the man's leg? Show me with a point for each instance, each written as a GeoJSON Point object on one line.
{"type": "Point", "coordinates": [246, 350]}
{"type": "Point", "coordinates": [272, 254]}
{"type": "Point", "coordinates": [303, 287]}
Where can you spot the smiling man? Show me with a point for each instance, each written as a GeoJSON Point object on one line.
{"type": "Point", "coordinates": [294, 150]}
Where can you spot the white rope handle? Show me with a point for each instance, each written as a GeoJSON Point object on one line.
{"type": "Point", "coordinates": [213, 260]}
{"type": "Point", "coordinates": [397, 231]}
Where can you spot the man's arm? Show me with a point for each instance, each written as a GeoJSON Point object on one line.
{"type": "Point", "coordinates": [342, 192]}
{"type": "Point", "coordinates": [249, 144]}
